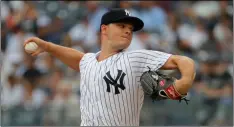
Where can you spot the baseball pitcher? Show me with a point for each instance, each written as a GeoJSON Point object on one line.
{"type": "Point", "coordinates": [114, 81]}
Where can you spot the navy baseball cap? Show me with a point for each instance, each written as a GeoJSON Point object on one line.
{"type": "Point", "coordinates": [121, 15]}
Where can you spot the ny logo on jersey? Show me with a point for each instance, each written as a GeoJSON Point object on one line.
{"type": "Point", "coordinates": [109, 80]}
{"type": "Point", "coordinates": [127, 12]}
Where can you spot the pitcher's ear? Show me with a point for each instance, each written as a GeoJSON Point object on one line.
{"type": "Point", "coordinates": [103, 29]}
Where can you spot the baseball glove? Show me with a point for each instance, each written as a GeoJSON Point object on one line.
{"type": "Point", "coordinates": [160, 87]}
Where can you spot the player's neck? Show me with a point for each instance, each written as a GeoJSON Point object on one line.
{"type": "Point", "coordinates": [105, 53]}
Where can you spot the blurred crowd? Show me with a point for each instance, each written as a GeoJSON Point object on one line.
{"type": "Point", "coordinates": [45, 91]}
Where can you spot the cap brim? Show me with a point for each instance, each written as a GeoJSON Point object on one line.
{"type": "Point", "coordinates": [136, 22]}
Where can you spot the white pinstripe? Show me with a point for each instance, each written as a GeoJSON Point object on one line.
{"type": "Point", "coordinates": [102, 108]}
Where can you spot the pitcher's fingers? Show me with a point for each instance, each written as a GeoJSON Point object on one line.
{"type": "Point", "coordinates": [27, 41]}
{"type": "Point", "coordinates": [36, 53]}
{"type": "Point", "coordinates": [31, 39]}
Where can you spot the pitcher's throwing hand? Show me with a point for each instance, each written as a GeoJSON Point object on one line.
{"type": "Point", "coordinates": [41, 45]}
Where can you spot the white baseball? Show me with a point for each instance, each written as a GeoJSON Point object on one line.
{"type": "Point", "coordinates": [31, 47]}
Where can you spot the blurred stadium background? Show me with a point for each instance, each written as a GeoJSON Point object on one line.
{"type": "Point", "coordinates": [42, 91]}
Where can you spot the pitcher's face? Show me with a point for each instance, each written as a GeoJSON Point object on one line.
{"type": "Point", "coordinates": [119, 35]}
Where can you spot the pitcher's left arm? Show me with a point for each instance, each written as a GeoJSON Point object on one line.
{"type": "Point", "coordinates": [186, 67]}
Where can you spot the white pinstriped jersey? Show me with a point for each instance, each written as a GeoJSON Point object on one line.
{"type": "Point", "coordinates": [111, 94]}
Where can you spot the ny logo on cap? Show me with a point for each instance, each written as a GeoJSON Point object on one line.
{"type": "Point", "coordinates": [127, 12]}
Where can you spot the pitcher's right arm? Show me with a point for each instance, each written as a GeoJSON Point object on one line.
{"type": "Point", "coordinates": [68, 56]}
